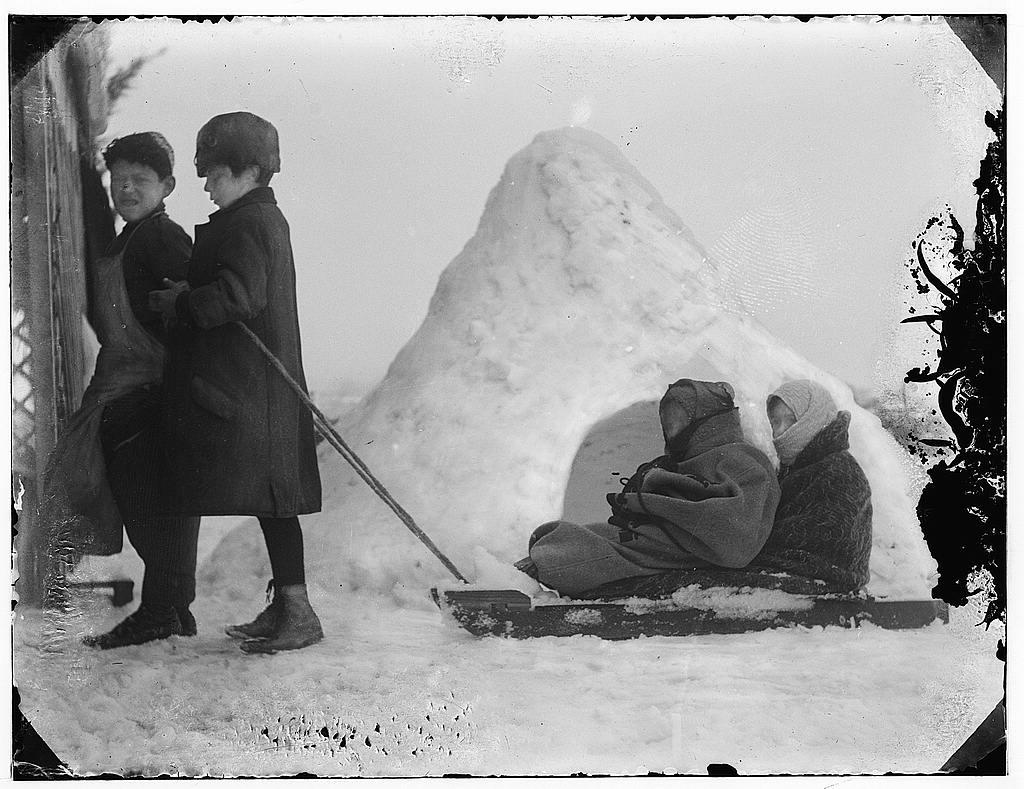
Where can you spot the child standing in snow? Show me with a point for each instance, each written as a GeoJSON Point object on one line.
{"type": "Point", "coordinates": [111, 447]}
{"type": "Point", "coordinates": [823, 523]}
{"type": "Point", "coordinates": [240, 439]}
{"type": "Point", "coordinates": [709, 501]}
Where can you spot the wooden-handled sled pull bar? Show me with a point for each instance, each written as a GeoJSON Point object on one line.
{"type": "Point", "coordinates": [336, 441]}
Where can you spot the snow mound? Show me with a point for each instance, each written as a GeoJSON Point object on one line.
{"type": "Point", "coordinates": [580, 294]}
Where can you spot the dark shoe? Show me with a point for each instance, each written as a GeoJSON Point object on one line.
{"type": "Point", "coordinates": [298, 625]}
{"type": "Point", "coordinates": [188, 622]}
{"type": "Point", "coordinates": [146, 624]}
{"type": "Point", "coordinates": [264, 624]}
{"type": "Point", "coordinates": [528, 566]}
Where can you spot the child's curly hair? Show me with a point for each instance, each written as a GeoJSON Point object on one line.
{"type": "Point", "coordinates": [146, 148]}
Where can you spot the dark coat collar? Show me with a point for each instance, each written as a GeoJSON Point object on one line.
{"type": "Point", "coordinates": [129, 226]}
{"type": "Point", "coordinates": [261, 194]}
{"type": "Point", "coordinates": [834, 437]}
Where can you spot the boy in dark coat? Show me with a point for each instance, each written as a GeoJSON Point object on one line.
{"type": "Point", "coordinates": [126, 388]}
{"type": "Point", "coordinates": [240, 439]}
{"type": "Point", "coordinates": [709, 501]}
{"type": "Point", "coordinates": [823, 523]}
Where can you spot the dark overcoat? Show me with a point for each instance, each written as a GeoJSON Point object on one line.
{"type": "Point", "coordinates": [240, 441]}
{"type": "Point", "coordinates": [823, 522]}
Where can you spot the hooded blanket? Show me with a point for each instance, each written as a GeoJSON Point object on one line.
{"type": "Point", "coordinates": [709, 501]}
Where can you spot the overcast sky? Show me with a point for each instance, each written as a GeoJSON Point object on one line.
{"type": "Point", "coordinates": [827, 145]}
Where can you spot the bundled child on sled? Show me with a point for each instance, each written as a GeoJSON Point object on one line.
{"type": "Point", "coordinates": [713, 500]}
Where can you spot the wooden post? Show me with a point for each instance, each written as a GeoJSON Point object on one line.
{"type": "Point", "coordinates": [49, 273]}
{"type": "Point", "coordinates": [30, 544]}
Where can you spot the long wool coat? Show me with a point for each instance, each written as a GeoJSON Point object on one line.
{"type": "Point", "coordinates": [823, 523]}
{"type": "Point", "coordinates": [712, 504]}
{"type": "Point", "coordinates": [240, 441]}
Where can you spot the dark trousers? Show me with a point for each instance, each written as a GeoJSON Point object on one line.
{"type": "Point", "coordinates": [284, 544]}
{"type": "Point", "coordinates": [168, 549]}
{"type": "Point", "coordinates": [166, 545]}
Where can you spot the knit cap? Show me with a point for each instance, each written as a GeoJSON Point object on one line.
{"type": "Point", "coordinates": [814, 409]}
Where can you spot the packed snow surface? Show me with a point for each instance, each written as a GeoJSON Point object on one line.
{"type": "Point", "coordinates": [580, 295]}
{"type": "Point", "coordinates": [398, 691]}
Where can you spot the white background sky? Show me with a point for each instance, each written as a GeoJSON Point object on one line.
{"type": "Point", "coordinates": [837, 138]}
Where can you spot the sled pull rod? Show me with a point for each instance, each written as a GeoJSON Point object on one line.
{"type": "Point", "coordinates": [336, 441]}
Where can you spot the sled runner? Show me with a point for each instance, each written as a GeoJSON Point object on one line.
{"type": "Point", "coordinates": [683, 603]}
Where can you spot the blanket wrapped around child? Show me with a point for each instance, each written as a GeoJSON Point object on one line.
{"type": "Point", "coordinates": [823, 523]}
{"type": "Point", "coordinates": [709, 501]}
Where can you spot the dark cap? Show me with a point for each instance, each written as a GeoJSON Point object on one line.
{"type": "Point", "coordinates": [146, 148]}
{"type": "Point", "coordinates": [237, 140]}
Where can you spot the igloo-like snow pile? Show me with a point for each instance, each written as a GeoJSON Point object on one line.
{"type": "Point", "coordinates": [580, 294]}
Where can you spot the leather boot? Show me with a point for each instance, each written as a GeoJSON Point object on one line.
{"type": "Point", "coordinates": [298, 625]}
{"type": "Point", "coordinates": [148, 623]}
{"type": "Point", "coordinates": [265, 623]}
{"type": "Point", "coordinates": [188, 622]}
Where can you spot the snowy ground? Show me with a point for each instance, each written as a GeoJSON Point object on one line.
{"type": "Point", "coordinates": [408, 694]}
{"type": "Point", "coordinates": [397, 691]}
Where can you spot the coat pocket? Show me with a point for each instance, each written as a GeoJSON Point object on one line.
{"type": "Point", "coordinates": [213, 399]}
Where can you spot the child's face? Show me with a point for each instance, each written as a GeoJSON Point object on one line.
{"type": "Point", "coordinates": [674, 419]}
{"type": "Point", "coordinates": [225, 187]}
{"type": "Point", "coordinates": [137, 190]}
{"type": "Point", "coordinates": [780, 416]}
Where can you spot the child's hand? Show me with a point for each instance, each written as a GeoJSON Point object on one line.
{"type": "Point", "coordinates": [163, 301]}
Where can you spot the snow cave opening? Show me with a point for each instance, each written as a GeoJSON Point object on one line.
{"type": "Point", "coordinates": [610, 452]}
